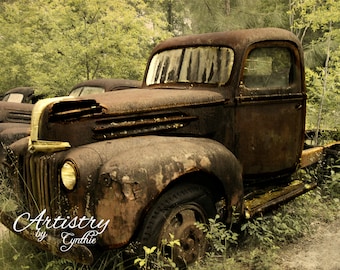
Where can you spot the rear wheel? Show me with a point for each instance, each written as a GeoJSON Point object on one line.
{"type": "Point", "coordinates": [175, 213]}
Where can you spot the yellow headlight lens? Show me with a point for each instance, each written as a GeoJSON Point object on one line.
{"type": "Point", "coordinates": [69, 175]}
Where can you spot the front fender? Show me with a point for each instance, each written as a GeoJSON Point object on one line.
{"type": "Point", "coordinates": [142, 167]}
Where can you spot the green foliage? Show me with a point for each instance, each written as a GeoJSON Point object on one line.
{"type": "Point", "coordinates": [143, 263]}
{"type": "Point", "coordinates": [316, 23]}
{"type": "Point", "coordinates": [330, 182]}
{"type": "Point", "coordinates": [9, 201]}
{"type": "Point", "coordinates": [219, 236]}
{"type": "Point", "coordinates": [53, 45]}
{"type": "Point", "coordinates": [258, 233]}
{"type": "Point", "coordinates": [262, 238]}
{"type": "Point", "coordinates": [331, 99]}
{"type": "Point", "coordinates": [221, 240]}
{"type": "Point", "coordinates": [285, 225]}
{"type": "Point", "coordinates": [16, 253]}
{"type": "Point", "coordinates": [221, 15]}
{"type": "Point", "coordinates": [19, 254]}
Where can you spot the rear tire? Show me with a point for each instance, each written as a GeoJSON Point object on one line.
{"type": "Point", "coordinates": [176, 213]}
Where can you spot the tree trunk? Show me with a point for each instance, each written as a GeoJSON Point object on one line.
{"type": "Point", "coordinates": [324, 85]}
{"type": "Point", "coordinates": [227, 7]}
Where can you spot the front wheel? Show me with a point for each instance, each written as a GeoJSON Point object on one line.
{"type": "Point", "coordinates": [173, 217]}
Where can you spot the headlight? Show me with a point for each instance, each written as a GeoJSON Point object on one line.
{"type": "Point", "coordinates": [69, 175]}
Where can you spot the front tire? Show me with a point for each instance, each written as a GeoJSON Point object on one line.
{"type": "Point", "coordinates": [175, 213]}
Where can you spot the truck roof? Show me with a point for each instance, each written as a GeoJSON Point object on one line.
{"type": "Point", "coordinates": [234, 38]}
{"type": "Point", "coordinates": [23, 90]}
{"type": "Point", "coordinates": [238, 40]}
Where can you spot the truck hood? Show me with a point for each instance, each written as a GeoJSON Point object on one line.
{"type": "Point", "coordinates": [129, 102]}
{"type": "Point", "coordinates": [12, 112]}
{"type": "Point", "coordinates": [140, 100]}
{"type": "Point", "coordinates": [118, 114]}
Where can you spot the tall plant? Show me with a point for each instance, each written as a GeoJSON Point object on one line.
{"type": "Point", "coordinates": [319, 20]}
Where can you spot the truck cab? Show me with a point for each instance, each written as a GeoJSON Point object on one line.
{"type": "Point", "coordinates": [261, 78]}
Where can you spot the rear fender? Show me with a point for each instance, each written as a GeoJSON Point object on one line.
{"type": "Point", "coordinates": [143, 167]}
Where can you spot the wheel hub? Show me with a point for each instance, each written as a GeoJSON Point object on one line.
{"type": "Point", "coordinates": [181, 226]}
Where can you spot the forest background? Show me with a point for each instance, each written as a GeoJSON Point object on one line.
{"type": "Point", "coordinates": [52, 45]}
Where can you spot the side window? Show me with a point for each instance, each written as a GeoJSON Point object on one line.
{"type": "Point", "coordinates": [268, 67]}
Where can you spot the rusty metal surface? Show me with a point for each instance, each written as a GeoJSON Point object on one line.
{"type": "Point", "coordinates": [268, 124]}
{"type": "Point", "coordinates": [5, 126]}
{"type": "Point", "coordinates": [132, 186]}
{"type": "Point", "coordinates": [237, 39]}
{"type": "Point", "coordinates": [316, 154]}
{"type": "Point", "coordinates": [14, 123]}
{"type": "Point", "coordinates": [311, 156]}
{"type": "Point", "coordinates": [9, 133]}
{"type": "Point", "coordinates": [11, 112]}
{"type": "Point", "coordinates": [15, 112]}
{"type": "Point", "coordinates": [120, 190]}
{"type": "Point", "coordinates": [269, 135]}
{"type": "Point", "coordinates": [20, 113]}
{"type": "Point", "coordinates": [133, 112]}
{"type": "Point", "coordinates": [274, 197]}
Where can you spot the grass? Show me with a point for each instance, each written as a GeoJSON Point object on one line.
{"type": "Point", "coordinates": [255, 245]}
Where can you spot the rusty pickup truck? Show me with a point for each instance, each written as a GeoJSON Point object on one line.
{"type": "Point", "coordinates": [219, 117]}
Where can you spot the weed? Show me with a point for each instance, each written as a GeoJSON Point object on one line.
{"type": "Point", "coordinates": [219, 236]}
{"type": "Point", "coordinates": [155, 258]}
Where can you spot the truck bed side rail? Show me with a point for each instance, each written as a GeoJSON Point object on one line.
{"type": "Point", "coordinates": [315, 154]}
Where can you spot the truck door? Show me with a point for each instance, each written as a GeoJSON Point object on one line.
{"type": "Point", "coordinates": [270, 109]}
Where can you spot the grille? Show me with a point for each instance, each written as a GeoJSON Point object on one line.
{"type": "Point", "coordinates": [41, 184]}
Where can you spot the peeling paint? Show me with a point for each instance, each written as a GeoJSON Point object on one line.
{"type": "Point", "coordinates": [128, 191]}
{"type": "Point", "coordinates": [205, 162]}
{"type": "Point", "coordinates": [113, 175]}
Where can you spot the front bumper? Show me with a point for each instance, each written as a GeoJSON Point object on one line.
{"type": "Point", "coordinates": [51, 243]}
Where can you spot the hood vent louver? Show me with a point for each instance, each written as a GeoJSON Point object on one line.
{"type": "Point", "coordinates": [71, 110]}
{"type": "Point", "coordinates": [117, 127]}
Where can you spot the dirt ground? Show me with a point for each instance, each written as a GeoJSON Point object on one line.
{"type": "Point", "coordinates": [321, 251]}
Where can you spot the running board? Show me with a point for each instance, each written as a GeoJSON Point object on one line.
{"type": "Point", "coordinates": [262, 202]}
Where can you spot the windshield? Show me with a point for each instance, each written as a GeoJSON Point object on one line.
{"type": "Point", "coordinates": [210, 65]}
{"type": "Point", "coordinates": [14, 97]}
{"type": "Point", "coordinates": [86, 90]}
